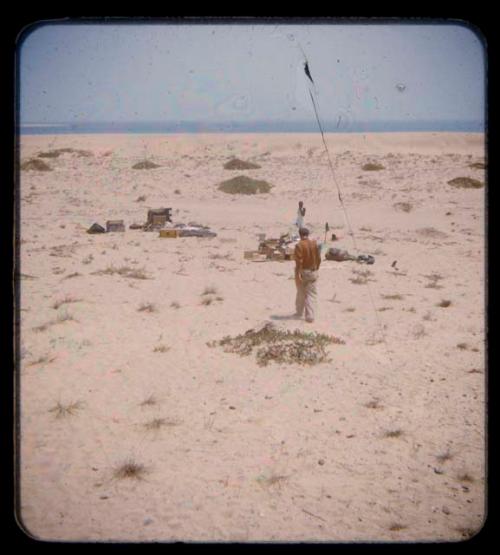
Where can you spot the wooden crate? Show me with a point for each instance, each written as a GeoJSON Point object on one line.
{"type": "Point", "coordinates": [115, 225]}
{"type": "Point", "coordinates": [170, 233]}
{"type": "Point", "coordinates": [159, 216]}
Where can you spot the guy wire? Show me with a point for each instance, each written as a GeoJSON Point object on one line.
{"type": "Point", "coordinates": [351, 233]}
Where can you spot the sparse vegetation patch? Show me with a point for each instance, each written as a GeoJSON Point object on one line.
{"type": "Point", "coordinates": [275, 345]}
{"type": "Point", "coordinates": [124, 271]}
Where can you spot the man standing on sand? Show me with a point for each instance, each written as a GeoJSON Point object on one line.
{"type": "Point", "coordinates": [301, 212]}
{"type": "Point", "coordinates": [307, 263]}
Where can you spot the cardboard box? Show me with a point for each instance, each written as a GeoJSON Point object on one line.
{"type": "Point", "coordinates": [115, 225]}
{"type": "Point", "coordinates": [170, 233]}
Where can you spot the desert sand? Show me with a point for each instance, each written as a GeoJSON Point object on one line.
{"type": "Point", "coordinates": [385, 442]}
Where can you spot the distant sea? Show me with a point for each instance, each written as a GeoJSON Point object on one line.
{"type": "Point", "coordinates": [249, 127]}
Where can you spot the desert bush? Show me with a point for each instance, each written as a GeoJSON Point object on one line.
{"type": "Point", "coordinates": [145, 165]}
{"type": "Point", "coordinates": [35, 165]}
{"type": "Point", "coordinates": [237, 164]}
{"type": "Point", "coordinates": [243, 185]}
{"type": "Point", "coordinates": [466, 183]}
{"type": "Point", "coordinates": [372, 166]}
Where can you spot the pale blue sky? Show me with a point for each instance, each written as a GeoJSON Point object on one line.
{"type": "Point", "coordinates": [219, 73]}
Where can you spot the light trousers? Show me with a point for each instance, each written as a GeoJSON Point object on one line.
{"type": "Point", "coordinates": [306, 294]}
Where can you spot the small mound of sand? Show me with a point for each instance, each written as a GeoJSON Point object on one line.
{"type": "Point", "coordinates": [36, 165]}
{"type": "Point", "coordinates": [237, 164]}
{"type": "Point", "coordinates": [466, 183]}
{"type": "Point", "coordinates": [145, 165]}
{"type": "Point", "coordinates": [372, 166]}
{"type": "Point", "coordinates": [243, 185]}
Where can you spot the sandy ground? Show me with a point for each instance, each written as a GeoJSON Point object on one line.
{"type": "Point", "coordinates": [386, 442]}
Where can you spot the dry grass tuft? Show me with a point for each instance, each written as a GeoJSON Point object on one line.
{"type": "Point", "coordinates": [61, 410]}
{"type": "Point", "coordinates": [395, 297]}
{"type": "Point", "coordinates": [43, 327]}
{"type": "Point", "coordinates": [465, 477]}
{"type": "Point", "coordinates": [147, 307]}
{"type": "Point", "coordinates": [433, 281]}
{"type": "Point", "coordinates": [211, 290]}
{"type": "Point", "coordinates": [466, 183]}
{"type": "Point", "coordinates": [130, 470]}
{"type": "Point", "coordinates": [397, 527]}
{"type": "Point", "coordinates": [462, 346]}
{"type": "Point", "coordinates": [175, 304]}
{"type": "Point", "coordinates": [141, 198]}
{"type": "Point", "coordinates": [393, 433]}
{"type": "Point", "coordinates": [44, 359]}
{"type": "Point", "coordinates": [149, 401]}
{"type": "Point", "coordinates": [283, 347]}
{"type": "Point", "coordinates": [444, 304]}
{"type": "Point", "coordinates": [158, 423]}
{"type": "Point", "coordinates": [374, 404]}
{"type": "Point", "coordinates": [66, 300]}
{"type": "Point", "coordinates": [443, 457]}
{"type": "Point", "coordinates": [161, 349]}
{"type": "Point", "coordinates": [74, 274]}
{"type": "Point", "coordinates": [272, 481]}
{"type": "Point", "coordinates": [124, 271]}
{"type": "Point", "coordinates": [243, 185]}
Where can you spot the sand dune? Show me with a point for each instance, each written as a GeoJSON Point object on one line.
{"type": "Point", "coordinates": [385, 442]}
